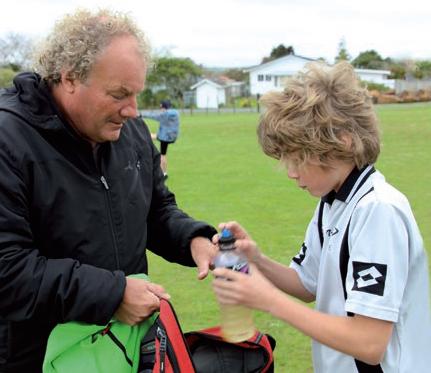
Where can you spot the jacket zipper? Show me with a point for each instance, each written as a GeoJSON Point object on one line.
{"type": "Point", "coordinates": [111, 224]}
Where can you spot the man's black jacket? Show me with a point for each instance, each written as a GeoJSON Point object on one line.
{"type": "Point", "coordinates": [73, 222]}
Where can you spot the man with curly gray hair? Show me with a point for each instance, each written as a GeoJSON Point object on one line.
{"type": "Point", "coordinates": [82, 194]}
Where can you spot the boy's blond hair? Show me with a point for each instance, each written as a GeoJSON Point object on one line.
{"type": "Point", "coordinates": [324, 114]}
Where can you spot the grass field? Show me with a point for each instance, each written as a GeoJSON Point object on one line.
{"type": "Point", "coordinates": [218, 173]}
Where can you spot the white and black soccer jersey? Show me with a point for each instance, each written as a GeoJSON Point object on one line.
{"type": "Point", "coordinates": [363, 254]}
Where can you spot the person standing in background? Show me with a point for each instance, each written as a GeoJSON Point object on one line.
{"type": "Point", "coordinates": [169, 125]}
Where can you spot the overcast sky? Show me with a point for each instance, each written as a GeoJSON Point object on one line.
{"type": "Point", "coordinates": [234, 33]}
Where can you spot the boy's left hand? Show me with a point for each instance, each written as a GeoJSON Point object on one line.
{"type": "Point", "coordinates": [252, 290]}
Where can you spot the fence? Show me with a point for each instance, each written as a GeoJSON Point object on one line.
{"type": "Point", "coordinates": [212, 111]}
{"type": "Point", "coordinates": [412, 85]}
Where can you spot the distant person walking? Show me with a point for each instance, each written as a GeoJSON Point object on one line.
{"type": "Point", "coordinates": [169, 120]}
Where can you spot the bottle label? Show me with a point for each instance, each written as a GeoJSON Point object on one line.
{"type": "Point", "coordinates": [241, 267]}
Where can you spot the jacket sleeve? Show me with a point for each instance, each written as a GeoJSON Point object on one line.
{"type": "Point", "coordinates": [152, 115]}
{"type": "Point", "coordinates": [33, 286]}
{"type": "Point", "coordinates": [170, 230]}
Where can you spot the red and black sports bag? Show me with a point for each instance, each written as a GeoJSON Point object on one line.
{"type": "Point", "coordinates": [165, 349]}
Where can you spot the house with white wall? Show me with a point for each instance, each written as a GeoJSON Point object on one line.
{"type": "Point", "coordinates": [209, 94]}
{"type": "Point", "coordinates": [376, 76]}
{"type": "Point", "coordinates": [271, 76]}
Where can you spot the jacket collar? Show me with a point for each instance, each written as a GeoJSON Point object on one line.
{"type": "Point", "coordinates": [30, 98]}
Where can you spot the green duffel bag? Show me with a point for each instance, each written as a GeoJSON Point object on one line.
{"type": "Point", "coordinates": [76, 347]}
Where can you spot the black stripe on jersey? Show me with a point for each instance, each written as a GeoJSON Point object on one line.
{"type": "Point", "coordinates": [344, 261]}
{"type": "Point", "coordinates": [320, 223]}
{"type": "Point", "coordinates": [371, 171]}
{"type": "Point", "coordinates": [341, 195]}
{"type": "Point", "coordinates": [344, 251]}
{"type": "Point", "coordinates": [366, 368]}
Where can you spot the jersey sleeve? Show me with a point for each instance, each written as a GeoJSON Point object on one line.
{"type": "Point", "coordinates": [379, 259]}
{"type": "Point", "coordinates": [306, 262]}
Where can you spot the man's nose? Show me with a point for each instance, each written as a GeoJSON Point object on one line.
{"type": "Point", "coordinates": [130, 110]}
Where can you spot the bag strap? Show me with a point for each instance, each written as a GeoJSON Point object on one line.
{"type": "Point", "coordinates": [168, 321]}
{"type": "Point", "coordinates": [107, 331]}
{"type": "Point", "coordinates": [268, 343]}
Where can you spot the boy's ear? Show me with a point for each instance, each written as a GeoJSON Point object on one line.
{"type": "Point", "coordinates": [346, 138]}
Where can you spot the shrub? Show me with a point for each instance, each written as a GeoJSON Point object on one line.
{"type": "Point", "coordinates": [6, 76]}
{"type": "Point", "coordinates": [371, 86]}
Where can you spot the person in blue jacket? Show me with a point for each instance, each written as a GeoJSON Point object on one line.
{"type": "Point", "coordinates": [169, 120]}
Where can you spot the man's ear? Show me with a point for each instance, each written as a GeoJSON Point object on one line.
{"type": "Point", "coordinates": [68, 82]}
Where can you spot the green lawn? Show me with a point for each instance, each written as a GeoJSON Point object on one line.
{"type": "Point", "coordinates": [218, 173]}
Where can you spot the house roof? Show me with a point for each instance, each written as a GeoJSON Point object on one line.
{"type": "Point", "coordinates": [370, 71]}
{"type": "Point", "coordinates": [219, 83]}
{"type": "Point", "coordinates": [305, 59]}
{"type": "Point", "coordinates": [206, 81]}
{"type": "Point", "coordinates": [277, 60]}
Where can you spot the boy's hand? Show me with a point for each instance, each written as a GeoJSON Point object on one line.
{"type": "Point", "coordinates": [252, 290]}
{"type": "Point", "coordinates": [243, 241]}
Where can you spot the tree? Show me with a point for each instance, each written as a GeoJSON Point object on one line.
{"type": "Point", "coordinates": [237, 74]}
{"type": "Point", "coordinates": [423, 69]}
{"type": "Point", "coordinates": [342, 55]}
{"type": "Point", "coordinates": [15, 51]}
{"type": "Point", "coordinates": [398, 71]}
{"type": "Point", "coordinates": [279, 51]}
{"type": "Point", "coordinates": [170, 78]}
{"type": "Point", "coordinates": [370, 59]}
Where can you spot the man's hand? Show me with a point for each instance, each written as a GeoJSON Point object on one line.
{"type": "Point", "coordinates": [140, 300]}
{"type": "Point", "coordinates": [203, 252]}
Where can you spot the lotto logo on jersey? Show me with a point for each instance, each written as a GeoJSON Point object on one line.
{"type": "Point", "coordinates": [301, 256]}
{"type": "Point", "coordinates": [369, 277]}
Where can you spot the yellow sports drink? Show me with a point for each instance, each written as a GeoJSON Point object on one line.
{"type": "Point", "coordinates": [236, 321]}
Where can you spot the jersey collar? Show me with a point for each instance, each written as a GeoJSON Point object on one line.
{"type": "Point", "coordinates": [351, 185]}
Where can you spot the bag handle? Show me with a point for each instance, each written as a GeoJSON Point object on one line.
{"type": "Point", "coordinates": [169, 320]}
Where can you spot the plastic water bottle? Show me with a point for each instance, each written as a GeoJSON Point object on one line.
{"type": "Point", "coordinates": [236, 321]}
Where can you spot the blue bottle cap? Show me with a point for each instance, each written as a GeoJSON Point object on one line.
{"type": "Point", "coordinates": [226, 233]}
